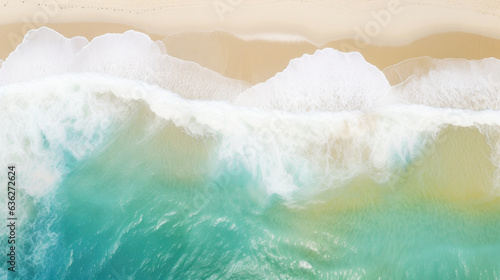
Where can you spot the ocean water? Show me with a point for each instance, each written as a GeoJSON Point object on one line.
{"type": "Point", "coordinates": [135, 165]}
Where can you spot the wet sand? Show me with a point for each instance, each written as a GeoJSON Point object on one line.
{"type": "Point", "coordinates": [253, 40]}
{"type": "Point", "coordinates": [257, 60]}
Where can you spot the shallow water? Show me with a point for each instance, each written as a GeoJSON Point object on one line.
{"type": "Point", "coordinates": [121, 178]}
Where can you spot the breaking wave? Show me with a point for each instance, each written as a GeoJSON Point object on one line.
{"type": "Point", "coordinates": [115, 142]}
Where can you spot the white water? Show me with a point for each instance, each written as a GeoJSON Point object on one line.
{"type": "Point", "coordinates": [328, 113]}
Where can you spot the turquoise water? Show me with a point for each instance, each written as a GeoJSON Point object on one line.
{"type": "Point", "coordinates": [163, 205]}
{"type": "Point", "coordinates": [137, 165]}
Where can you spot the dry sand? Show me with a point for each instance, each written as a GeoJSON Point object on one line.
{"type": "Point", "coordinates": [386, 22]}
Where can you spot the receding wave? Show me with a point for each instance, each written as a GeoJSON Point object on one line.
{"type": "Point", "coordinates": [329, 80]}
{"type": "Point", "coordinates": [131, 55]}
{"type": "Point", "coordinates": [452, 83]}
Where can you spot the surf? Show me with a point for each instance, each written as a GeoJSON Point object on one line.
{"type": "Point", "coordinates": [305, 175]}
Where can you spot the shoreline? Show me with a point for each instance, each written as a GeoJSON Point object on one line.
{"type": "Point", "coordinates": [252, 40]}
{"type": "Point", "coordinates": [255, 61]}
{"type": "Point", "coordinates": [378, 22]}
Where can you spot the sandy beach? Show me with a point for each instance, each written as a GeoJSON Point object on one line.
{"type": "Point", "coordinates": [253, 40]}
{"type": "Point", "coordinates": [250, 139]}
{"type": "Point", "coordinates": [257, 60]}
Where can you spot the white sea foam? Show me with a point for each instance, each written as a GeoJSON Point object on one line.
{"type": "Point", "coordinates": [355, 122]}
{"type": "Point", "coordinates": [131, 55]}
{"type": "Point", "coordinates": [279, 37]}
{"type": "Point", "coordinates": [42, 53]}
{"type": "Point", "coordinates": [454, 83]}
{"type": "Point", "coordinates": [48, 120]}
{"type": "Point", "coordinates": [329, 80]}
{"type": "Point", "coordinates": [43, 123]}
{"type": "Point", "coordinates": [348, 121]}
